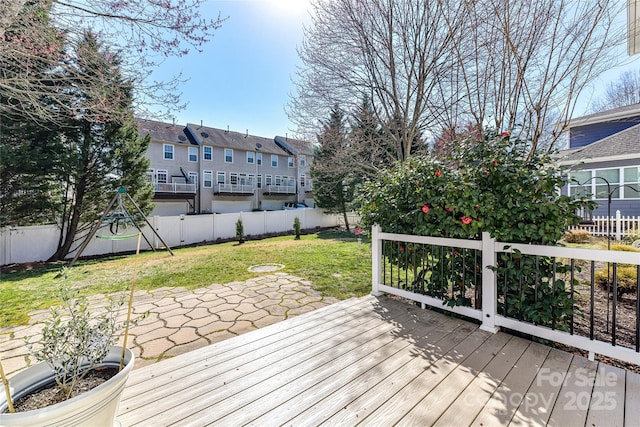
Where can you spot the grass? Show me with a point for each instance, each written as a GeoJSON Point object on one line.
{"type": "Point", "coordinates": [331, 260]}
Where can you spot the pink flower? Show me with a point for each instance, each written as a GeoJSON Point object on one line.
{"type": "Point", "coordinates": [425, 209]}
{"type": "Point", "coordinates": [438, 173]}
{"type": "Point", "coordinates": [495, 163]}
{"type": "Point", "coordinates": [466, 219]}
{"type": "Point", "coordinates": [358, 231]}
{"type": "Point", "coordinates": [504, 134]}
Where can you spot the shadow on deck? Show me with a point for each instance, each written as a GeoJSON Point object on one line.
{"type": "Point", "coordinates": [378, 361]}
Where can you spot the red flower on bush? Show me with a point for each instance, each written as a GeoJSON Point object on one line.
{"type": "Point", "coordinates": [438, 173]}
{"type": "Point", "coordinates": [504, 134]}
{"type": "Point", "coordinates": [446, 209]}
{"type": "Point", "coordinates": [495, 163]}
{"type": "Point", "coordinates": [425, 209]}
{"type": "Point", "coordinates": [401, 248]}
{"type": "Point", "coordinates": [466, 219]}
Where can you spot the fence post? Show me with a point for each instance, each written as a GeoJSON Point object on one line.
{"type": "Point", "coordinates": [489, 284]}
{"type": "Point", "coordinates": [618, 226]}
{"type": "Point", "coordinates": [376, 258]}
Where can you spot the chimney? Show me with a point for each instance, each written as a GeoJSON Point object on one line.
{"type": "Point", "coordinates": [247, 134]}
{"type": "Point", "coordinates": [227, 129]}
{"type": "Point", "coordinates": [200, 123]}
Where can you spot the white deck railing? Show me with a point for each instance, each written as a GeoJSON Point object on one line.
{"type": "Point", "coordinates": [618, 227]}
{"type": "Point", "coordinates": [389, 276]}
{"type": "Point", "coordinates": [235, 188]}
{"type": "Point", "coordinates": [173, 187]}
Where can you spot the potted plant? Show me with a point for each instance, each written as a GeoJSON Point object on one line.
{"type": "Point", "coordinates": [76, 347]}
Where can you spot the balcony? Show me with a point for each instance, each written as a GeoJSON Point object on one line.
{"type": "Point", "coordinates": [234, 189]}
{"type": "Point", "coordinates": [279, 190]}
{"type": "Point", "coordinates": [173, 190]}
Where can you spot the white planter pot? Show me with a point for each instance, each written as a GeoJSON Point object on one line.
{"type": "Point", "coordinates": [96, 407]}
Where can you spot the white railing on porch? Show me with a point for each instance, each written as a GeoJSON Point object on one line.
{"type": "Point", "coordinates": [618, 226]}
{"type": "Point", "coordinates": [486, 312]}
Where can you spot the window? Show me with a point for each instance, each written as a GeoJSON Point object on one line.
{"type": "Point", "coordinates": [632, 179]}
{"type": "Point", "coordinates": [267, 180]}
{"type": "Point", "coordinates": [220, 177]}
{"type": "Point", "coordinates": [193, 178]}
{"type": "Point", "coordinates": [274, 160]}
{"type": "Point", "coordinates": [228, 155]}
{"type": "Point", "coordinates": [252, 179]}
{"type": "Point", "coordinates": [207, 179]}
{"type": "Point", "coordinates": [278, 180]}
{"type": "Point", "coordinates": [259, 181]}
{"type": "Point", "coordinates": [303, 160]}
{"type": "Point", "coordinates": [193, 154]}
{"type": "Point", "coordinates": [233, 178]}
{"type": "Point", "coordinates": [251, 157]}
{"type": "Point", "coordinates": [168, 151]}
{"type": "Point", "coordinates": [161, 177]}
{"type": "Point", "coordinates": [259, 158]}
{"type": "Point", "coordinates": [290, 162]}
{"type": "Point", "coordinates": [303, 180]}
{"type": "Point", "coordinates": [613, 177]}
{"type": "Point", "coordinates": [580, 184]}
{"type": "Point", "coordinates": [207, 153]}
{"type": "Point", "coordinates": [150, 175]}
{"type": "Point", "coordinates": [242, 179]}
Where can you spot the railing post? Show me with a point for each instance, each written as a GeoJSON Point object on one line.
{"type": "Point", "coordinates": [618, 226]}
{"type": "Point", "coordinates": [376, 260]}
{"type": "Point", "coordinates": [489, 284]}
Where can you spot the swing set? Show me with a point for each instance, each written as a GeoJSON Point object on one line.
{"type": "Point", "coordinates": [117, 223]}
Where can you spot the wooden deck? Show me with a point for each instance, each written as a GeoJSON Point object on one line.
{"type": "Point", "coordinates": [377, 361]}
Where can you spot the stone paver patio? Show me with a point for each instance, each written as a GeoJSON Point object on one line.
{"type": "Point", "coordinates": [172, 321]}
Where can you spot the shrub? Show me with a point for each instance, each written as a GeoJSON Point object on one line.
{"type": "Point", "coordinates": [491, 185]}
{"type": "Point", "coordinates": [577, 236]}
{"type": "Point", "coordinates": [296, 227]}
{"type": "Point", "coordinates": [626, 274]}
{"type": "Point", "coordinates": [240, 231]}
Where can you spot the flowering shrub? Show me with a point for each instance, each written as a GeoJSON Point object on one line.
{"type": "Point", "coordinates": [490, 185]}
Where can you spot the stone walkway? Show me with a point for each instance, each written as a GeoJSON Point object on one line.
{"type": "Point", "coordinates": [171, 321]}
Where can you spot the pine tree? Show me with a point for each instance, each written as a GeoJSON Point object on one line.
{"type": "Point", "coordinates": [333, 182]}
{"type": "Point", "coordinates": [101, 147]}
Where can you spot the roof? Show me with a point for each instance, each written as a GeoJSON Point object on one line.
{"type": "Point", "coordinates": [294, 146]}
{"type": "Point", "coordinates": [622, 145]}
{"type": "Point", "coordinates": [164, 132]}
{"type": "Point", "coordinates": [204, 135]}
{"type": "Point", "coordinates": [607, 116]}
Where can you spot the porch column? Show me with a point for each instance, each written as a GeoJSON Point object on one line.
{"type": "Point", "coordinates": [376, 261]}
{"type": "Point", "coordinates": [489, 284]}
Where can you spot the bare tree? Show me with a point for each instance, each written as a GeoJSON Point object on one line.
{"type": "Point", "coordinates": [388, 51]}
{"type": "Point", "coordinates": [620, 93]}
{"type": "Point", "coordinates": [144, 33]}
{"type": "Point", "coordinates": [429, 66]}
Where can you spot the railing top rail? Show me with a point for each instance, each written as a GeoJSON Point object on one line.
{"type": "Point", "coordinates": [439, 241]}
{"type": "Point", "coordinates": [575, 253]}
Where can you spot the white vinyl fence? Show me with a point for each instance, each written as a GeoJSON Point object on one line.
{"type": "Point", "coordinates": [38, 243]}
{"type": "Point", "coordinates": [618, 227]}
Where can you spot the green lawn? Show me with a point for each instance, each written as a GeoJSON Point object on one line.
{"type": "Point", "coordinates": [331, 260]}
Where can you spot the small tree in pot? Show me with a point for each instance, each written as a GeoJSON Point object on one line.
{"type": "Point", "coordinates": [76, 341]}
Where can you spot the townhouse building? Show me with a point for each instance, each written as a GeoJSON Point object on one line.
{"type": "Point", "coordinates": [199, 169]}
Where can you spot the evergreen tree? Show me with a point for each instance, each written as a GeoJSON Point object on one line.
{"type": "Point", "coordinates": [101, 148]}
{"type": "Point", "coordinates": [29, 146]}
{"type": "Point", "coordinates": [333, 180]}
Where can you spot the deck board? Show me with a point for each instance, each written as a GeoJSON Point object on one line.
{"type": "Point", "coordinates": [375, 361]}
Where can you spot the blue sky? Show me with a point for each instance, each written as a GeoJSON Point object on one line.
{"type": "Point", "coordinates": [243, 77]}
